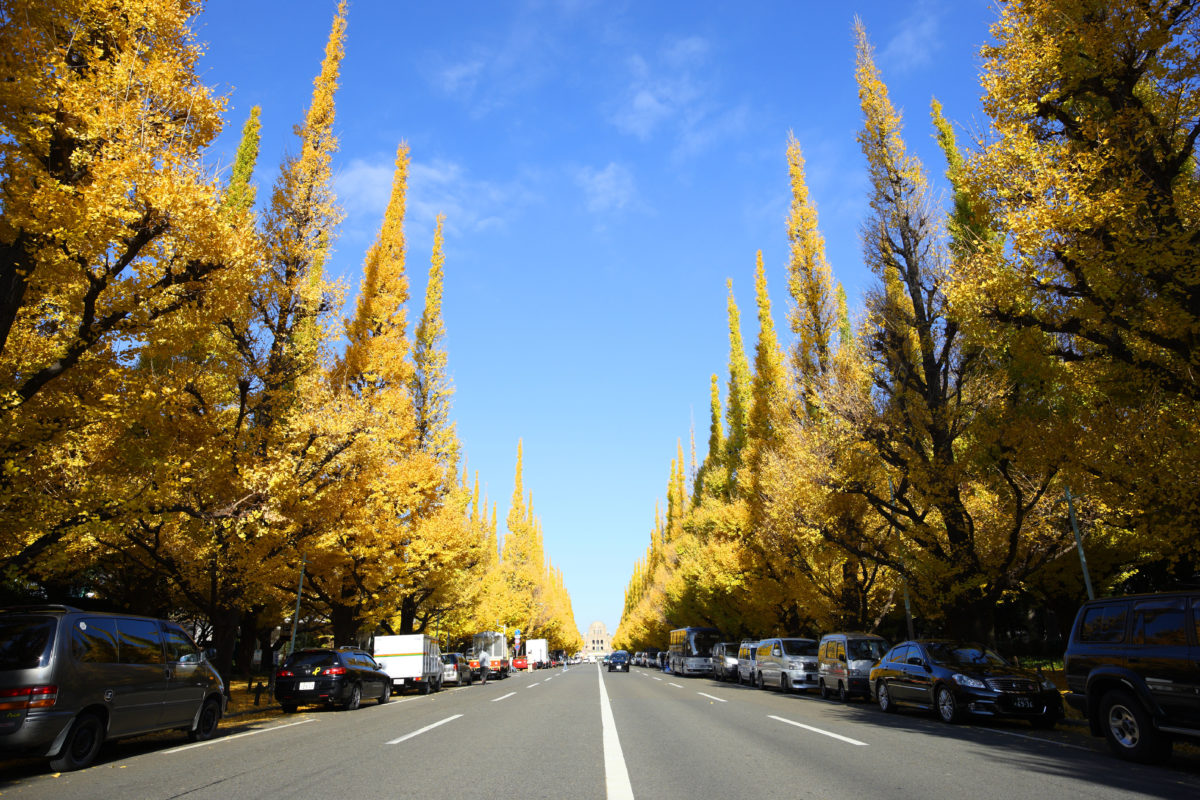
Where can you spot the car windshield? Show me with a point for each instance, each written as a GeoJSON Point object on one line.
{"type": "Point", "coordinates": [25, 642]}
{"type": "Point", "coordinates": [799, 647]}
{"type": "Point", "coordinates": [703, 641]}
{"type": "Point", "coordinates": [950, 654]}
{"type": "Point", "coordinates": [865, 649]}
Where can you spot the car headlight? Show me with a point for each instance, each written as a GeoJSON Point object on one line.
{"type": "Point", "coordinates": [967, 680]}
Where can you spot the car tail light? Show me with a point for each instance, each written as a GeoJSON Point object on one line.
{"type": "Point", "coordinates": [334, 671]}
{"type": "Point", "coordinates": [28, 697]}
{"type": "Point", "coordinates": [285, 673]}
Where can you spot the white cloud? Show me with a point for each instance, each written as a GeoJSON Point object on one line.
{"type": "Point", "coordinates": [461, 78]}
{"type": "Point", "coordinates": [608, 189]}
{"type": "Point", "coordinates": [914, 44]}
{"type": "Point", "coordinates": [363, 188]}
{"type": "Point", "coordinates": [672, 94]}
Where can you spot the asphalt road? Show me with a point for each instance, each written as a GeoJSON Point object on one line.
{"type": "Point", "coordinates": [583, 733]}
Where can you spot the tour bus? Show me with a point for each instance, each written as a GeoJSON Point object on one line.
{"type": "Point", "coordinates": [691, 650]}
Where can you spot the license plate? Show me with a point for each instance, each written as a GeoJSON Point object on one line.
{"type": "Point", "coordinates": [1022, 702]}
{"type": "Point", "coordinates": [307, 685]}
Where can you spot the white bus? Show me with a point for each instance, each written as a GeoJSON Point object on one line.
{"type": "Point", "coordinates": [691, 650]}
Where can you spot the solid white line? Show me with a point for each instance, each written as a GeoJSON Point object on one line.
{"type": "Point", "coordinates": [234, 736]}
{"type": "Point", "coordinates": [426, 728]}
{"type": "Point", "coordinates": [838, 736]}
{"type": "Point", "coordinates": [676, 685]}
{"type": "Point", "coordinates": [616, 776]}
{"type": "Point", "coordinates": [530, 686]}
{"type": "Point", "coordinates": [502, 697]}
{"type": "Point", "coordinates": [1040, 740]}
{"type": "Point", "coordinates": [710, 697]}
{"type": "Point", "coordinates": [398, 702]}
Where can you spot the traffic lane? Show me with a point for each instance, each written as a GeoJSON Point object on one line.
{"type": "Point", "coordinates": [680, 743]}
{"type": "Point", "coordinates": [295, 752]}
{"type": "Point", "coordinates": [1006, 756]}
{"type": "Point", "coordinates": [1067, 757]}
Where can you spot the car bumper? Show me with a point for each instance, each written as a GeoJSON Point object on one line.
{"type": "Point", "coordinates": [802, 680]}
{"type": "Point", "coordinates": [39, 734]}
{"type": "Point", "coordinates": [336, 693]}
{"type": "Point", "coordinates": [983, 702]}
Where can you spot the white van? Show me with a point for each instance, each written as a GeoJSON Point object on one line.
{"type": "Point", "coordinates": [845, 663]}
{"type": "Point", "coordinates": [787, 663]}
{"type": "Point", "coordinates": [747, 671]}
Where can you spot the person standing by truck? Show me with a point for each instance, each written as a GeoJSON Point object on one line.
{"type": "Point", "coordinates": [485, 662]}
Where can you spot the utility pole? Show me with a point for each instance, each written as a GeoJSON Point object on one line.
{"type": "Point", "coordinates": [1087, 579]}
{"type": "Point", "coordinates": [299, 593]}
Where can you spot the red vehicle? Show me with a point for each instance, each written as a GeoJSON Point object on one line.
{"type": "Point", "coordinates": [520, 662]}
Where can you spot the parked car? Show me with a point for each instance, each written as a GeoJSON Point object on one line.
{"type": "Point", "coordinates": [789, 664]}
{"type": "Point", "coordinates": [639, 658]}
{"type": "Point", "coordinates": [747, 661]}
{"type": "Point", "coordinates": [663, 659]}
{"type": "Point", "coordinates": [72, 679]}
{"type": "Point", "coordinates": [1132, 668]}
{"type": "Point", "coordinates": [457, 669]}
{"type": "Point", "coordinates": [652, 657]}
{"type": "Point", "coordinates": [725, 661]}
{"type": "Point", "coordinates": [618, 661]}
{"type": "Point", "coordinates": [845, 662]}
{"type": "Point", "coordinates": [959, 678]}
{"type": "Point", "coordinates": [343, 677]}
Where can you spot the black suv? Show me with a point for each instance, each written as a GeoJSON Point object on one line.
{"type": "Point", "coordinates": [342, 677]}
{"type": "Point", "coordinates": [618, 661]}
{"type": "Point", "coordinates": [1133, 668]}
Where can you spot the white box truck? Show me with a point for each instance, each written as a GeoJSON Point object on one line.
{"type": "Point", "coordinates": [413, 660]}
{"type": "Point", "coordinates": [537, 651]}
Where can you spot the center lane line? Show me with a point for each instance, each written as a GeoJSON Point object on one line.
{"type": "Point", "coordinates": [838, 736]}
{"type": "Point", "coordinates": [422, 730]}
{"type": "Point", "coordinates": [502, 697]}
{"type": "Point", "coordinates": [712, 697]}
{"type": "Point", "coordinates": [676, 685]}
{"type": "Point", "coordinates": [616, 774]}
{"type": "Point", "coordinates": [530, 686]}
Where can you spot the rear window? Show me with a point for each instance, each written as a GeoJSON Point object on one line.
{"type": "Point", "coordinates": [1103, 624]}
{"type": "Point", "coordinates": [26, 642]}
{"type": "Point", "coordinates": [311, 660]}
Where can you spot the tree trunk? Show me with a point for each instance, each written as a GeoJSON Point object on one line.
{"type": "Point", "coordinates": [344, 619]}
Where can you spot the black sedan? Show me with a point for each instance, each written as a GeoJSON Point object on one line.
{"type": "Point", "coordinates": [618, 661]}
{"type": "Point", "coordinates": [959, 678]}
{"type": "Point", "coordinates": [343, 677]}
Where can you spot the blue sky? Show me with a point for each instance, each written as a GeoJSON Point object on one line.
{"type": "Point", "coordinates": [604, 168]}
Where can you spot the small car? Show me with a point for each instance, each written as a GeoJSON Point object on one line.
{"type": "Point", "coordinates": [618, 661]}
{"type": "Point", "coordinates": [959, 678]}
{"type": "Point", "coordinates": [456, 669]}
{"type": "Point", "coordinates": [343, 678]}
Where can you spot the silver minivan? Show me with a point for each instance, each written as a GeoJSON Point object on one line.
{"type": "Point", "coordinates": [747, 669]}
{"type": "Point", "coordinates": [846, 660]}
{"type": "Point", "coordinates": [70, 679]}
{"type": "Point", "coordinates": [787, 664]}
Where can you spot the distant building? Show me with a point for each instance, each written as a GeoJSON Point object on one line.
{"type": "Point", "coordinates": [597, 643]}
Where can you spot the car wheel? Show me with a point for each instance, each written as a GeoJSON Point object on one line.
{"type": "Point", "coordinates": [426, 687]}
{"type": "Point", "coordinates": [884, 697]}
{"type": "Point", "coordinates": [82, 744]}
{"type": "Point", "coordinates": [758, 681]}
{"type": "Point", "coordinates": [822, 689]}
{"type": "Point", "coordinates": [1129, 731]}
{"type": "Point", "coordinates": [206, 725]}
{"type": "Point", "coordinates": [288, 708]}
{"type": "Point", "coordinates": [843, 695]}
{"type": "Point", "coordinates": [947, 706]}
{"type": "Point", "coordinates": [355, 699]}
{"type": "Point", "coordinates": [386, 696]}
{"type": "Point", "coordinates": [783, 683]}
